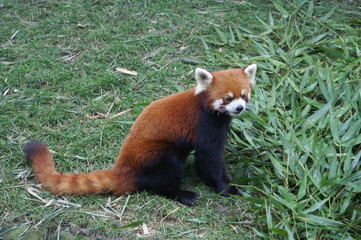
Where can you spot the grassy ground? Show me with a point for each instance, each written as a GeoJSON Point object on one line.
{"type": "Point", "coordinates": [58, 61]}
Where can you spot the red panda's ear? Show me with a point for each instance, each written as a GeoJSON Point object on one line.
{"type": "Point", "coordinates": [204, 80]}
{"type": "Point", "coordinates": [251, 73]}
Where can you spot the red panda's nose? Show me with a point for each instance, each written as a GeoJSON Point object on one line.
{"type": "Point", "coordinates": [239, 108]}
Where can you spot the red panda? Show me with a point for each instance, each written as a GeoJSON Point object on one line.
{"type": "Point", "coordinates": [153, 154]}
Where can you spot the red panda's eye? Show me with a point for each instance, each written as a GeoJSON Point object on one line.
{"type": "Point", "coordinates": [243, 95]}
{"type": "Point", "coordinates": [229, 99]}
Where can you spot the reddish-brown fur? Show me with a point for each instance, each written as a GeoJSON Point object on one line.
{"type": "Point", "coordinates": [118, 181]}
{"type": "Point", "coordinates": [149, 136]}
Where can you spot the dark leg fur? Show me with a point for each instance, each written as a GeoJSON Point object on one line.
{"type": "Point", "coordinates": [209, 148]}
{"type": "Point", "coordinates": [164, 177]}
{"type": "Point", "coordinates": [211, 169]}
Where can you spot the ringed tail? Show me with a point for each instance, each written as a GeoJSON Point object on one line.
{"type": "Point", "coordinates": [100, 181]}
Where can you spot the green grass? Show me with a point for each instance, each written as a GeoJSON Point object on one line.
{"type": "Point", "coordinates": [296, 153]}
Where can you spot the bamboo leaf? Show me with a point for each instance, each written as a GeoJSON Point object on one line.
{"type": "Point", "coordinates": [350, 178]}
{"type": "Point", "coordinates": [267, 27]}
{"type": "Point", "coordinates": [330, 84]}
{"type": "Point", "coordinates": [239, 35]}
{"type": "Point", "coordinates": [347, 124]}
{"type": "Point", "coordinates": [356, 160]}
{"type": "Point", "coordinates": [319, 221]}
{"type": "Point", "coordinates": [281, 9]}
{"type": "Point", "coordinates": [334, 126]}
{"type": "Point", "coordinates": [345, 203]}
{"type": "Point", "coordinates": [318, 114]}
{"type": "Point", "coordinates": [316, 206]}
{"type": "Point", "coordinates": [220, 34]}
{"type": "Point", "coordinates": [303, 185]}
{"type": "Point", "coordinates": [279, 231]}
{"type": "Point", "coordinates": [347, 167]}
{"type": "Point", "coordinates": [331, 52]}
{"type": "Point", "coordinates": [299, 5]}
{"type": "Point", "coordinates": [305, 79]}
{"type": "Point", "coordinates": [323, 88]}
{"type": "Point", "coordinates": [245, 30]}
{"type": "Point", "coordinates": [315, 39]}
{"type": "Point", "coordinates": [356, 186]}
{"type": "Point", "coordinates": [233, 38]}
{"type": "Point", "coordinates": [205, 45]}
{"type": "Point", "coordinates": [278, 167]}
{"type": "Point", "coordinates": [268, 215]}
{"type": "Point", "coordinates": [260, 234]}
{"type": "Point", "coordinates": [271, 21]}
{"type": "Point", "coordinates": [352, 131]}
{"type": "Point", "coordinates": [249, 139]}
{"type": "Point", "coordinates": [327, 15]}
{"type": "Point", "coordinates": [286, 194]}
{"type": "Point", "coordinates": [311, 6]}
{"type": "Point", "coordinates": [253, 200]}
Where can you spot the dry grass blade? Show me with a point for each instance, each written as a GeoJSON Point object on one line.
{"type": "Point", "coordinates": [169, 214]}
{"type": "Point", "coordinates": [63, 203]}
{"type": "Point", "coordinates": [120, 113]}
{"type": "Point", "coordinates": [52, 202]}
{"type": "Point", "coordinates": [124, 207]}
{"type": "Point", "coordinates": [71, 57]}
{"type": "Point", "coordinates": [100, 115]}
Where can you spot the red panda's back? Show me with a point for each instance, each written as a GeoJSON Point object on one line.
{"type": "Point", "coordinates": [165, 121]}
{"type": "Point", "coordinates": [168, 118]}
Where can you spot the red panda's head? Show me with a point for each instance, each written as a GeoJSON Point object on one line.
{"type": "Point", "coordinates": [227, 91]}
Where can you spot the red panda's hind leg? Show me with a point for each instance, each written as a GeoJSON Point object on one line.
{"type": "Point", "coordinates": [164, 176]}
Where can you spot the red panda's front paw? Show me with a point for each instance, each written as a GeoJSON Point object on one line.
{"type": "Point", "coordinates": [187, 197]}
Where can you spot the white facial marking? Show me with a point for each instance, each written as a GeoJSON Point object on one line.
{"type": "Point", "coordinates": [204, 80]}
{"type": "Point", "coordinates": [230, 95]}
{"type": "Point", "coordinates": [243, 92]}
{"type": "Point", "coordinates": [232, 107]}
{"type": "Point", "coordinates": [217, 104]}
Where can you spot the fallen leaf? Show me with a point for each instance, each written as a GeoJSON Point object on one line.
{"type": "Point", "coordinates": [35, 193]}
{"type": "Point", "coordinates": [82, 25]}
{"type": "Point", "coordinates": [6, 92]}
{"type": "Point", "coordinates": [7, 63]}
{"type": "Point", "coordinates": [126, 71]}
{"type": "Point", "coordinates": [145, 229]}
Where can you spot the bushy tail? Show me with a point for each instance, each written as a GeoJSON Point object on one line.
{"type": "Point", "coordinates": [101, 181]}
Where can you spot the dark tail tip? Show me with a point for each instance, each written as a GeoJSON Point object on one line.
{"type": "Point", "coordinates": [31, 148]}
